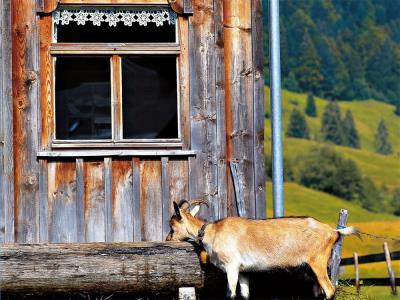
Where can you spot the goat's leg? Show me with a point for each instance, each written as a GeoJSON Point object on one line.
{"type": "Point", "coordinates": [232, 272]}
{"type": "Point", "coordinates": [244, 286]}
{"type": "Point", "coordinates": [321, 273]}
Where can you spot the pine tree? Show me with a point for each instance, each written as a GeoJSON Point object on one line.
{"type": "Point", "coordinates": [297, 125]}
{"type": "Point", "coordinates": [382, 144]}
{"type": "Point", "coordinates": [397, 105]}
{"type": "Point", "coordinates": [311, 109]}
{"type": "Point", "coordinates": [350, 133]}
{"type": "Point", "coordinates": [396, 202]}
{"type": "Point", "coordinates": [308, 73]}
{"type": "Point", "coordinates": [331, 127]}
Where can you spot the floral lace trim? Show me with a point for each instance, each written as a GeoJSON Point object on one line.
{"type": "Point", "coordinates": [112, 16]}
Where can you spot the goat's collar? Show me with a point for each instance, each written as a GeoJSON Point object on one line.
{"type": "Point", "coordinates": [201, 232]}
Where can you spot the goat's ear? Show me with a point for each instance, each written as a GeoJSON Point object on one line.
{"type": "Point", "coordinates": [177, 210]}
{"type": "Point", "coordinates": [195, 210]}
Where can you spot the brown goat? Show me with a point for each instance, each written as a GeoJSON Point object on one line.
{"type": "Point", "coordinates": [236, 244]}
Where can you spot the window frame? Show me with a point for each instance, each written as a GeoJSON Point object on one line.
{"type": "Point", "coordinates": [50, 50]}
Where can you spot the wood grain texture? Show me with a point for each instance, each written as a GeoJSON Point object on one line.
{"type": "Point", "coordinates": [165, 186]}
{"type": "Point", "coordinates": [25, 87]}
{"type": "Point", "coordinates": [111, 2]}
{"type": "Point", "coordinates": [46, 82]}
{"type": "Point", "coordinates": [80, 199]}
{"type": "Point", "coordinates": [220, 110]}
{"type": "Point", "coordinates": [203, 169]}
{"type": "Point", "coordinates": [122, 200]}
{"type": "Point", "coordinates": [6, 127]}
{"type": "Point", "coordinates": [150, 200]}
{"type": "Point", "coordinates": [184, 81]}
{"type": "Point", "coordinates": [108, 181]}
{"type": "Point", "coordinates": [239, 94]}
{"type": "Point", "coordinates": [62, 202]}
{"type": "Point", "coordinates": [99, 268]}
{"type": "Point", "coordinates": [94, 201]}
{"type": "Point", "coordinates": [43, 202]}
{"type": "Point", "coordinates": [258, 99]}
{"type": "Point", "coordinates": [137, 216]}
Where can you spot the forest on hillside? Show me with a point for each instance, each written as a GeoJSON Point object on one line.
{"type": "Point", "coordinates": [342, 50]}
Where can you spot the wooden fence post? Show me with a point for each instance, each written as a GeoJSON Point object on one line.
{"type": "Point", "coordinates": [337, 249]}
{"type": "Point", "coordinates": [389, 267]}
{"type": "Point", "coordinates": [187, 293]}
{"type": "Point", "coordinates": [357, 271]}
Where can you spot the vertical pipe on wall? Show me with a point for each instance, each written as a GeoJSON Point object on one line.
{"type": "Point", "coordinates": [276, 111]}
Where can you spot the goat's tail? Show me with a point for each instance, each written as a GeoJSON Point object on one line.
{"type": "Point", "coordinates": [349, 231]}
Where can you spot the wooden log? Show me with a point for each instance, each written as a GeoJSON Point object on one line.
{"type": "Point", "coordinates": [99, 267]}
{"type": "Point", "coordinates": [390, 269]}
{"type": "Point", "coordinates": [337, 249]}
{"type": "Point", "coordinates": [357, 272]}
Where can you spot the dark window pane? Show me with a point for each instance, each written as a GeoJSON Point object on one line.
{"type": "Point", "coordinates": [149, 97]}
{"type": "Point", "coordinates": [88, 33]}
{"type": "Point", "coordinates": [83, 98]}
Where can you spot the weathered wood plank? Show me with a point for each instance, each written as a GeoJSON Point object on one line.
{"type": "Point", "coordinates": [150, 200]}
{"type": "Point", "coordinates": [178, 174]}
{"type": "Point", "coordinates": [137, 217]}
{"type": "Point", "coordinates": [6, 127]}
{"type": "Point", "coordinates": [94, 201]}
{"type": "Point", "coordinates": [80, 195]}
{"type": "Point", "coordinates": [165, 181]}
{"type": "Point", "coordinates": [99, 268]}
{"type": "Point", "coordinates": [184, 81]}
{"type": "Point", "coordinates": [220, 110]}
{"type": "Point", "coordinates": [62, 202]}
{"type": "Point", "coordinates": [25, 65]}
{"type": "Point", "coordinates": [46, 82]}
{"type": "Point", "coordinates": [203, 170]}
{"type": "Point", "coordinates": [337, 249]}
{"type": "Point", "coordinates": [239, 92]}
{"type": "Point", "coordinates": [122, 200]}
{"type": "Point", "coordinates": [114, 153]}
{"type": "Point", "coordinates": [43, 202]}
{"type": "Point", "coordinates": [258, 100]}
{"type": "Point", "coordinates": [108, 181]}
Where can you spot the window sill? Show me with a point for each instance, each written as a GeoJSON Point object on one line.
{"type": "Point", "coordinates": [114, 153]}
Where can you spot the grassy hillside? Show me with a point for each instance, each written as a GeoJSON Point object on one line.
{"type": "Point", "coordinates": [367, 114]}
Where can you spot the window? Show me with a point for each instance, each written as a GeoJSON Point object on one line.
{"type": "Point", "coordinates": [116, 75]}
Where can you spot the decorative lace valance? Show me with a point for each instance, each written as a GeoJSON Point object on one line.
{"type": "Point", "coordinates": [112, 16]}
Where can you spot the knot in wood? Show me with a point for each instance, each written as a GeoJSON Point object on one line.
{"type": "Point", "coordinates": [30, 78]}
{"type": "Point", "coordinates": [30, 180]}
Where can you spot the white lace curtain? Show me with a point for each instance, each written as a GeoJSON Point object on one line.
{"type": "Point", "coordinates": [112, 16]}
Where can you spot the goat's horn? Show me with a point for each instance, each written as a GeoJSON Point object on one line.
{"type": "Point", "coordinates": [198, 202]}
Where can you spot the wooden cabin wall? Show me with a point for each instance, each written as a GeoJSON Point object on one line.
{"type": "Point", "coordinates": [130, 198]}
{"type": "Point", "coordinates": [6, 128]}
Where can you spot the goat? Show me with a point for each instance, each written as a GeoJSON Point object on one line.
{"type": "Point", "coordinates": [236, 244]}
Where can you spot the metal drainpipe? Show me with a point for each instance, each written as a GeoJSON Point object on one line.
{"type": "Point", "coordinates": [276, 110]}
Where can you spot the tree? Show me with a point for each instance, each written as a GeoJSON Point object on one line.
{"type": "Point", "coordinates": [371, 198]}
{"type": "Point", "coordinates": [326, 170]}
{"type": "Point", "coordinates": [297, 125]}
{"type": "Point", "coordinates": [397, 105]}
{"type": "Point", "coordinates": [311, 109]}
{"type": "Point", "coordinates": [331, 127]}
{"type": "Point", "coordinates": [382, 144]}
{"type": "Point", "coordinates": [308, 73]}
{"type": "Point", "coordinates": [350, 133]}
{"type": "Point", "coordinates": [396, 202]}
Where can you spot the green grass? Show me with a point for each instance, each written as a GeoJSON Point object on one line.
{"type": "Point", "coordinates": [367, 115]}
{"type": "Point", "coordinates": [302, 201]}
{"type": "Point", "coordinates": [380, 168]}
